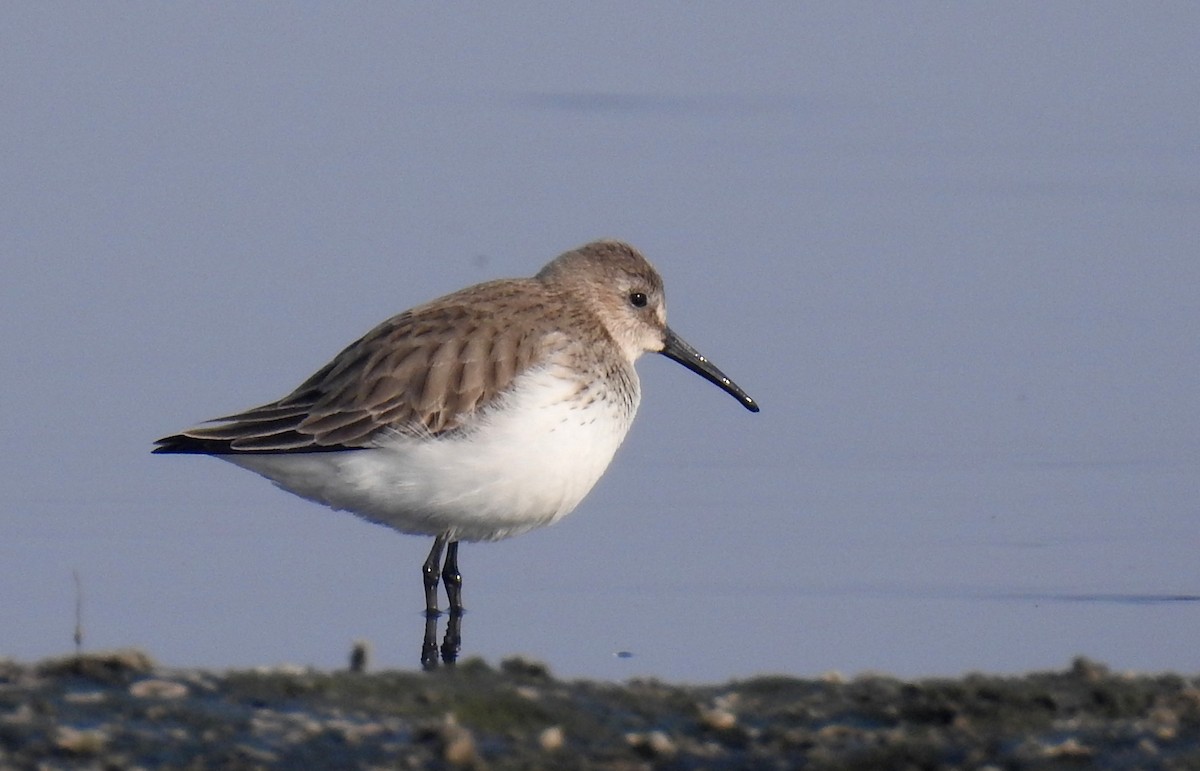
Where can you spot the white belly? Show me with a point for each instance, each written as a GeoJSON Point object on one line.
{"type": "Point", "coordinates": [526, 463]}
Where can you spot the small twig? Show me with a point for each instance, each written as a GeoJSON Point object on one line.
{"type": "Point", "coordinates": [360, 656]}
{"type": "Point", "coordinates": [78, 614]}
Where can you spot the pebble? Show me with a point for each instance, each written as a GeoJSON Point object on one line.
{"type": "Point", "coordinates": [528, 692]}
{"type": "Point", "coordinates": [458, 744]}
{"type": "Point", "coordinates": [84, 697]}
{"type": "Point", "coordinates": [552, 738]}
{"type": "Point", "coordinates": [717, 719]}
{"type": "Point", "coordinates": [1069, 748]}
{"type": "Point", "coordinates": [155, 688]}
{"type": "Point", "coordinates": [80, 742]}
{"type": "Point", "coordinates": [655, 744]}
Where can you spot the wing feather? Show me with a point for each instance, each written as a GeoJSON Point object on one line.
{"type": "Point", "coordinates": [425, 371]}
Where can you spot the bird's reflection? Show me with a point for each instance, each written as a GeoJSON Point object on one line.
{"type": "Point", "coordinates": [451, 643]}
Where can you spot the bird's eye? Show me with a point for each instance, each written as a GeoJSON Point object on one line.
{"type": "Point", "coordinates": [638, 299]}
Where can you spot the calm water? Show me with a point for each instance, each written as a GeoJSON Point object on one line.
{"type": "Point", "coordinates": [952, 253]}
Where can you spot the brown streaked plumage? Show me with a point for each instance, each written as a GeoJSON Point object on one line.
{"type": "Point", "coordinates": [422, 371]}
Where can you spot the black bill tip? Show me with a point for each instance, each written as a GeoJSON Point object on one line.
{"type": "Point", "coordinates": [675, 348]}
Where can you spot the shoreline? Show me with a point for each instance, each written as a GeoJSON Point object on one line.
{"type": "Point", "coordinates": [121, 709]}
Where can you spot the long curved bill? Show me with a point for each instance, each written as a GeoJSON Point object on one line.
{"type": "Point", "coordinates": [675, 348]}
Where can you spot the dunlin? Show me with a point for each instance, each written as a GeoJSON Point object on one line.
{"type": "Point", "coordinates": [478, 416]}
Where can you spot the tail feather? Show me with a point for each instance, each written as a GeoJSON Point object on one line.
{"type": "Point", "coordinates": [284, 442]}
{"type": "Point", "coordinates": [182, 443]}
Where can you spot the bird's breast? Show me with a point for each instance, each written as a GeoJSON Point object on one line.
{"type": "Point", "coordinates": [525, 461]}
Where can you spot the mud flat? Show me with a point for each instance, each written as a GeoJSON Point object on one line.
{"type": "Point", "coordinates": [121, 710]}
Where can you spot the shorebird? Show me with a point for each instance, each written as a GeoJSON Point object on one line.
{"type": "Point", "coordinates": [475, 417]}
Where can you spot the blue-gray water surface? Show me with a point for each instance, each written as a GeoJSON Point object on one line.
{"type": "Point", "coordinates": [951, 250]}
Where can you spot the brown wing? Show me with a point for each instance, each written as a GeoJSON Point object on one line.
{"type": "Point", "coordinates": [423, 372]}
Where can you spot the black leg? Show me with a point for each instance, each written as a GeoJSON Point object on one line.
{"type": "Point", "coordinates": [452, 579]}
{"type": "Point", "coordinates": [429, 572]}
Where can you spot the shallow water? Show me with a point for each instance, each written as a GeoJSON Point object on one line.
{"type": "Point", "coordinates": [959, 279]}
{"type": "Point", "coordinates": [619, 590]}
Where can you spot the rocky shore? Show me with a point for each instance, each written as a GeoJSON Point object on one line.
{"type": "Point", "coordinates": [121, 710]}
